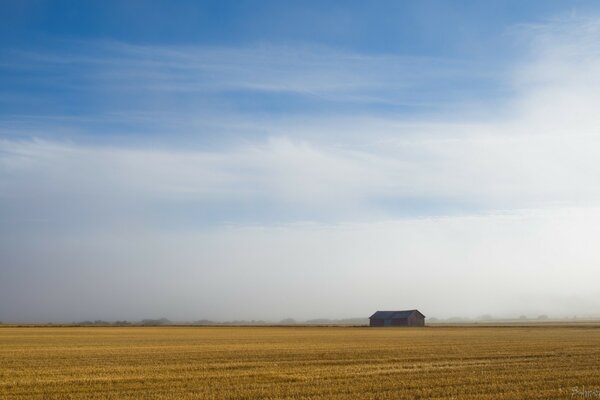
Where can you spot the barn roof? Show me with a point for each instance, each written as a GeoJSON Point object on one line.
{"type": "Point", "coordinates": [394, 314]}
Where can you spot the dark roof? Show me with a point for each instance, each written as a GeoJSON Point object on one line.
{"type": "Point", "coordinates": [394, 314]}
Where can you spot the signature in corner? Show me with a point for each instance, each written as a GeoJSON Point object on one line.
{"type": "Point", "coordinates": [585, 393]}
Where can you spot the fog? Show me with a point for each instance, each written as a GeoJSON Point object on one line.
{"type": "Point", "coordinates": [505, 265]}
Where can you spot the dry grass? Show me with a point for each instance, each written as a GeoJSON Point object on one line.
{"type": "Point", "coordinates": [545, 362]}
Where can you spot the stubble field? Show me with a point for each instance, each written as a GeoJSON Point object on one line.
{"type": "Point", "coordinates": [530, 362]}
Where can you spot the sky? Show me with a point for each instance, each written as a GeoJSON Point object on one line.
{"type": "Point", "coordinates": [306, 159]}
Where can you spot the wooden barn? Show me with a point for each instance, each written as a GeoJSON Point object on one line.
{"type": "Point", "coordinates": [397, 318]}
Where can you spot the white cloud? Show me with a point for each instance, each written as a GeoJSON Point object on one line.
{"type": "Point", "coordinates": [540, 152]}
{"type": "Point", "coordinates": [476, 171]}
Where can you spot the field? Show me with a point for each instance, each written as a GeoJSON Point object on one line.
{"type": "Point", "coordinates": [528, 362]}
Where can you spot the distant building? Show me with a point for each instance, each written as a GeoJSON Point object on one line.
{"type": "Point", "coordinates": [397, 318]}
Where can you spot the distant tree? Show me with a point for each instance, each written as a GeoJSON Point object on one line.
{"type": "Point", "coordinates": [457, 319]}
{"type": "Point", "coordinates": [320, 321]}
{"type": "Point", "coordinates": [288, 321]}
{"type": "Point", "coordinates": [523, 317]}
{"type": "Point", "coordinates": [543, 317]}
{"type": "Point", "coordinates": [204, 322]}
{"type": "Point", "coordinates": [161, 321]}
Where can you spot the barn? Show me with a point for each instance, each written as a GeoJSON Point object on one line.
{"type": "Point", "coordinates": [397, 318]}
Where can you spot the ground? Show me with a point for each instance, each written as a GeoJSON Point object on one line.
{"type": "Point", "coordinates": [472, 362]}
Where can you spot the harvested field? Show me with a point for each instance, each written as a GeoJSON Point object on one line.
{"type": "Point", "coordinates": [527, 362]}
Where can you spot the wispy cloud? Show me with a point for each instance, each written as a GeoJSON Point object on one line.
{"type": "Point", "coordinates": [540, 152]}
{"type": "Point", "coordinates": [138, 77]}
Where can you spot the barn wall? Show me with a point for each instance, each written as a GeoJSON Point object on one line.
{"type": "Point", "coordinates": [375, 322]}
{"type": "Point", "coordinates": [400, 322]}
{"type": "Point", "coordinates": [416, 320]}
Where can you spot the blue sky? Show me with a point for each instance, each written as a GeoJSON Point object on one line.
{"type": "Point", "coordinates": [271, 147]}
{"type": "Point", "coordinates": [477, 39]}
{"type": "Point", "coordinates": [418, 27]}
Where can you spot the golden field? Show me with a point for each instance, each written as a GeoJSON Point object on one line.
{"type": "Point", "coordinates": [512, 362]}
